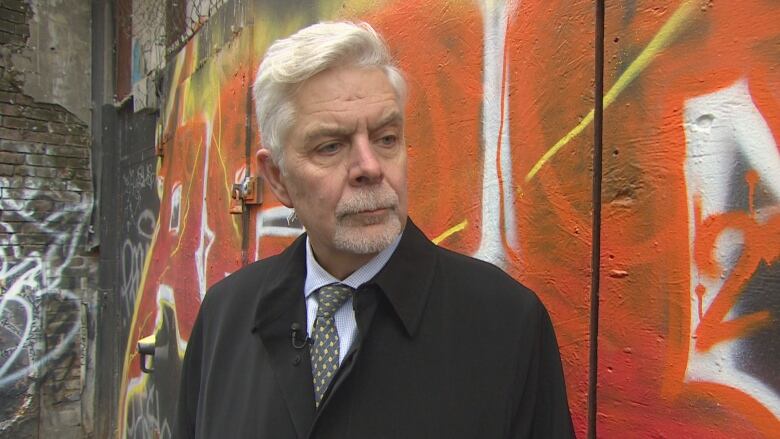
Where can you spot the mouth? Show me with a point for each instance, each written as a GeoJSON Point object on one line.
{"type": "Point", "coordinates": [380, 210]}
{"type": "Point", "coordinates": [368, 216]}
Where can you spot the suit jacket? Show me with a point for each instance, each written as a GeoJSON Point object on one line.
{"type": "Point", "coordinates": [448, 347]}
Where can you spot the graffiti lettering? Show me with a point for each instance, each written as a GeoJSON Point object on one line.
{"type": "Point", "coordinates": [30, 276]}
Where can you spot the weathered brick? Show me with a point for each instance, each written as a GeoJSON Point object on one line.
{"type": "Point", "coordinates": [6, 170]}
{"type": "Point", "coordinates": [79, 185]}
{"type": "Point", "coordinates": [39, 113]}
{"type": "Point", "coordinates": [44, 137]}
{"type": "Point", "coordinates": [78, 127]}
{"type": "Point", "coordinates": [21, 146]}
{"type": "Point", "coordinates": [66, 196]}
{"type": "Point", "coordinates": [18, 194]}
{"type": "Point", "coordinates": [7, 205]}
{"type": "Point", "coordinates": [36, 171]}
{"type": "Point", "coordinates": [23, 123]}
{"type": "Point", "coordinates": [7, 239]}
{"type": "Point", "coordinates": [75, 272]}
{"type": "Point", "coordinates": [11, 217]}
{"type": "Point", "coordinates": [67, 282]}
{"type": "Point", "coordinates": [42, 183]}
{"type": "Point", "coordinates": [8, 26]}
{"type": "Point", "coordinates": [82, 174]}
{"type": "Point", "coordinates": [5, 83]}
{"type": "Point", "coordinates": [23, 251]}
{"type": "Point", "coordinates": [67, 151]}
{"type": "Point", "coordinates": [65, 173]}
{"type": "Point", "coordinates": [11, 182]}
{"type": "Point", "coordinates": [56, 161]}
{"type": "Point", "coordinates": [77, 140]}
{"type": "Point", "coordinates": [80, 207]}
{"type": "Point", "coordinates": [10, 110]}
{"type": "Point", "coordinates": [29, 215]}
{"type": "Point", "coordinates": [30, 228]}
{"type": "Point", "coordinates": [34, 194]}
{"type": "Point", "coordinates": [12, 38]}
{"type": "Point", "coordinates": [33, 239]}
{"type": "Point", "coordinates": [13, 158]}
{"type": "Point", "coordinates": [16, 5]}
{"type": "Point", "coordinates": [11, 205]}
{"type": "Point", "coordinates": [10, 97]}
{"type": "Point", "coordinates": [64, 129]}
{"type": "Point", "coordinates": [65, 116]}
{"type": "Point", "coordinates": [7, 133]}
{"type": "Point", "coordinates": [13, 16]}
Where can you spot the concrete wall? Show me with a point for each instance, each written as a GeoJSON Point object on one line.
{"type": "Point", "coordinates": [46, 275]}
{"type": "Point", "coordinates": [500, 133]}
{"type": "Point", "coordinates": [55, 63]}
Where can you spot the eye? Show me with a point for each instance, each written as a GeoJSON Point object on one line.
{"type": "Point", "coordinates": [329, 148]}
{"type": "Point", "coordinates": [388, 140]}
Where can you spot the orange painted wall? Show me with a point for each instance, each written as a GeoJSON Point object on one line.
{"type": "Point", "coordinates": [690, 239]}
{"type": "Point", "coordinates": [500, 141]}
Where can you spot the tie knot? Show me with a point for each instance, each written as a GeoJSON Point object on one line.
{"type": "Point", "coordinates": [330, 299]}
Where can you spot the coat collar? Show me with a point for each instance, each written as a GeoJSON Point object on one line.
{"type": "Point", "coordinates": [406, 278]}
{"type": "Point", "coordinates": [283, 286]}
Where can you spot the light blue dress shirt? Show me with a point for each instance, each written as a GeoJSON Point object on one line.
{"type": "Point", "coordinates": [317, 277]}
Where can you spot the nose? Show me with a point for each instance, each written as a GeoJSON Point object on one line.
{"type": "Point", "coordinates": [365, 167]}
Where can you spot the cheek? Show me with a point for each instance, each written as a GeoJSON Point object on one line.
{"type": "Point", "coordinates": [397, 179]}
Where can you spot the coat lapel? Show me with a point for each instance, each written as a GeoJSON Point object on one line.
{"type": "Point", "coordinates": [407, 277]}
{"type": "Point", "coordinates": [281, 304]}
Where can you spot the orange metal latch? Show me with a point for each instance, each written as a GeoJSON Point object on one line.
{"type": "Point", "coordinates": [247, 193]}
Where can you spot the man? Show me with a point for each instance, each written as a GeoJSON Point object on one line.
{"type": "Point", "coordinates": [362, 328]}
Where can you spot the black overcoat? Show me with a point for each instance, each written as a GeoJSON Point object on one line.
{"type": "Point", "coordinates": [448, 347]}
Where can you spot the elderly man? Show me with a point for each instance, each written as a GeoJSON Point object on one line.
{"type": "Point", "coordinates": [362, 328]}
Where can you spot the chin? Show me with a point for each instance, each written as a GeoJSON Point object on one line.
{"type": "Point", "coordinates": [369, 239]}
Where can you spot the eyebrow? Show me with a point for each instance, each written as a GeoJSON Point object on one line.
{"type": "Point", "coordinates": [327, 130]}
{"type": "Point", "coordinates": [393, 117]}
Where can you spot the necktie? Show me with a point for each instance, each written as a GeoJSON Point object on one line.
{"type": "Point", "coordinates": [325, 349]}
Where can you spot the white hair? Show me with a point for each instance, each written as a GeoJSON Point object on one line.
{"type": "Point", "coordinates": [289, 62]}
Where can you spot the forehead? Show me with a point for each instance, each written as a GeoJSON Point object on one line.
{"type": "Point", "coordinates": [343, 88]}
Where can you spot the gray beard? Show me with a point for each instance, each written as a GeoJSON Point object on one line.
{"type": "Point", "coordinates": [355, 240]}
{"type": "Point", "coordinates": [350, 236]}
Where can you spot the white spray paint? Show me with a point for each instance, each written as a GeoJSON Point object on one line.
{"type": "Point", "coordinates": [206, 238]}
{"type": "Point", "coordinates": [495, 16]}
{"type": "Point", "coordinates": [720, 128]}
{"type": "Point", "coordinates": [28, 278]}
{"type": "Point", "coordinates": [274, 222]}
{"type": "Point", "coordinates": [132, 259]}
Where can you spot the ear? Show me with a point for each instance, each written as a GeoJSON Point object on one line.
{"type": "Point", "coordinates": [273, 176]}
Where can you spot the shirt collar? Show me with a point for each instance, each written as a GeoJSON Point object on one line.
{"type": "Point", "coordinates": [317, 277]}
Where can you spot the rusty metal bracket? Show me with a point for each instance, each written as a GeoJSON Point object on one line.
{"type": "Point", "coordinates": [146, 347]}
{"type": "Point", "coordinates": [247, 193]}
{"type": "Point", "coordinates": [160, 139]}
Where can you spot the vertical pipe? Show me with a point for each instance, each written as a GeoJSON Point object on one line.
{"type": "Point", "coordinates": [598, 126]}
{"type": "Point", "coordinates": [247, 162]}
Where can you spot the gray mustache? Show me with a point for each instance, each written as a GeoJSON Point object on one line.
{"type": "Point", "coordinates": [368, 199]}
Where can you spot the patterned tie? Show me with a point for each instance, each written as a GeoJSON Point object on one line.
{"type": "Point", "coordinates": [325, 350]}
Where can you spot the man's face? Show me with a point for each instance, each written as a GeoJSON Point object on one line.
{"type": "Point", "coordinates": [345, 164]}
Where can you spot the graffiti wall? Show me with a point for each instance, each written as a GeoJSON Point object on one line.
{"type": "Point", "coordinates": [45, 276]}
{"type": "Point", "coordinates": [691, 198]}
{"type": "Point", "coordinates": [500, 138]}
